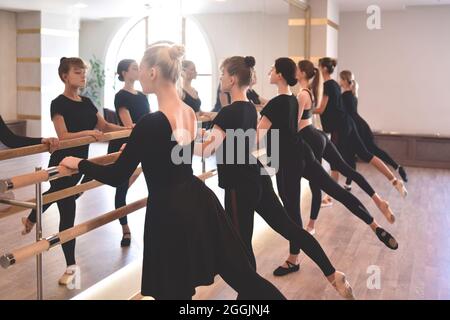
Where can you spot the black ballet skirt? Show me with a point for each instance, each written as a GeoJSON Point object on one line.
{"type": "Point", "coordinates": [186, 228]}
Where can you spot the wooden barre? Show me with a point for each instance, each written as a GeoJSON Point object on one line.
{"type": "Point", "coordinates": [63, 144]}
{"type": "Point", "coordinates": [49, 174]}
{"type": "Point", "coordinates": [61, 194]}
{"type": "Point", "coordinates": [38, 247]}
{"type": "Point", "coordinates": [206, 116]}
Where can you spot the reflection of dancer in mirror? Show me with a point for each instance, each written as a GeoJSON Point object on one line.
{"type": "Point", "coordinates": [190, 95]}
{"type": "Point", "coordinates": [254, 97]}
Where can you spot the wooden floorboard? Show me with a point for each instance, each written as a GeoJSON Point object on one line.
{"type": "Point", "coordinates": [419, 269]}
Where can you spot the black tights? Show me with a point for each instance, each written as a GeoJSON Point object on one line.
{"type": "Point", "coordinates": [67, 209]}
{"type": "Point", "coordinates": [320, 179]}
{"type": "Point", "coordinates": [120, 200]}
{"type": "Point", "coordinates": [373, 148]}
{"type": "Point", "coordinates": [288, 183]}
{"type": "Point", "coordinates": [240, 204]}
{"type": "Point", "coordinates": [324, 148]}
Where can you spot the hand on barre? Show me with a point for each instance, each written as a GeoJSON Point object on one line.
{"type": "Point", "coordinates": [98, 135]}
{"type": "Point", "coordinates": [70, 163]}
{"type": "Point", "coordinates": [53, 143]}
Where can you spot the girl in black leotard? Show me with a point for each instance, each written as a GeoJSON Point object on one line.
{"type": "Point", "coordinates": [342, 127]}
{"type": "Point", "coordinates": [183, 217]}
{"type": "Point", "coordinates": [350, 103]}
{"type": "Point", "coordinates": [190, 95]}
{"type": "Point", "coordinates": [131, 105]}
{"type": "Point", "coordinates": [246, 190]}
{"type": "Point", "coordinates": [254, 97]}
{"type": "Point", "coordinates": [73, 116]}
{"type": "Point", "coordinates": [322, 146]}
{"type": "Point", "coordinates": [297, 160]}
{"type": "Point", "coordinates": [11, 140]}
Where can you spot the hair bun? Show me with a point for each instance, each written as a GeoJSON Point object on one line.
{"type": "Point", "coordinates": [292, 82]}
{"type": "Point", "coordinates": [62, 59]}
{"type": "Point", "coordinates": [250, 61]}
{"type": "Point", "coordinates": [334, 62]}
{"type": "Point", "coordinates": [176, 52]}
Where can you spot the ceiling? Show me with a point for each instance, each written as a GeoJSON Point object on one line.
{"type": "Point", "coordinates": [97, 9]}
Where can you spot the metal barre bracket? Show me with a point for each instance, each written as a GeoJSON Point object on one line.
{"type": "Point", "coordinates": [6, 185]}
{"type": "Point", "coordinates": [7, 260]}
{"type": "Point", "coordinates": [53, 241]}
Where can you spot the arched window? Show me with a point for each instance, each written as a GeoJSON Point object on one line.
{"type": "Point", "coordinates": [130, 43]}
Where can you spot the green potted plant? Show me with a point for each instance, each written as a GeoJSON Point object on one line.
{"type": "Point", "coordinates": [95, 81]}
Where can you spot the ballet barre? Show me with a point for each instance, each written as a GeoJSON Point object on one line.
{"type": "Point", "coordinates": [63, 144]}
{"type": "Point", "coordinates": [206, 116]}
{"type": "Point", "coordinates": [18, 206]}
{"type": "Point", "coordinates": [49, 174]}
{"type": "Point", "coordinates": [37, 248]}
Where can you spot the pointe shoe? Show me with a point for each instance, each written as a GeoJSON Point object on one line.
{"type": "Point", "coordinates": [69, 275]}
{"type": "Point", "coordinates": [312, 231]}
{"type": "Point", "coordinates": [400, 188]}
{"type": "Point", "coordinates": [342, 286]}
{"type": "Point", "coordinates": [387, 212]}
{"type": "Point", "coordinates": [27, 225]}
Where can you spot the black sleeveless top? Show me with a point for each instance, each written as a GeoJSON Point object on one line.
{"type": "Point", "coordinates": [191, 101]}
{"type": "Point", "coordinates": [307, 113]}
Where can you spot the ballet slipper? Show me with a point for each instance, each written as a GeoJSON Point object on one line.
{"type": "Point", "coordinates": [342, 286]}
{"type": "Point", "coordinates": [28, 225]}
{"type": "Point", "coordinates": [68, 276]}
{"type": "Point", "coordinates": [387, 212]}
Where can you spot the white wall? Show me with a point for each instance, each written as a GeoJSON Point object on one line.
{"type": "Point", "coordinates": [263, 36]}
{"type": "Point", "coordinates": [403, 69]}
{"type": "Point", "coordinates": [8, 83]}
{"type": "Point", "coordinates": [95, 37]}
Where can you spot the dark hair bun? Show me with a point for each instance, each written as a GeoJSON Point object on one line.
{"type": "Point", "coordinates": [292, 82]}
{"type": "Point", "coordinates": [62, 59]}
{"type": "Point", "coordinates": [250, 61]}
{"type": "Point", "coordinates": [288, 69]}
{"type": "Point", "coordinates": [123, 65]}
{"type": "Point", "coordinates": [334, 62]}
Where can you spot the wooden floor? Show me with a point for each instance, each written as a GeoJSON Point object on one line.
{"type": "Point", "coordinates": [419, 269]}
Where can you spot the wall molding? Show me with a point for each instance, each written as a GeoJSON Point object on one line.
{"type": "Point", "coordinates": [28, 117]}
{"type": "Point", "coordinates": [427, 151]}
{"type": "Point", "coordinates": [29, 88]}
{"type": "Point", "coordinates": [49, 32]}
{"type": "Point", "coordinates": [314, 22]}
{"type": "Point", "coordinates": [29, 60]}
{"type": "Point", "coordinates": [44, 60]}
